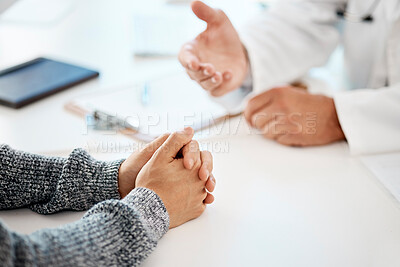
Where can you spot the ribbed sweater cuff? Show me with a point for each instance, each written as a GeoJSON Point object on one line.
{"type": "Point", "coordinates": [151, 209]}
{"type": "Point", "coordinates": [106, 184]}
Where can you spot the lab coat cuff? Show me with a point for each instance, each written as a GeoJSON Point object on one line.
{"type": "Point", "coordinates": [368, 118]}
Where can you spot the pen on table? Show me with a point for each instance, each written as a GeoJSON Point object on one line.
{"type": "Point", "coordinates": [145, 94]}
{"type": "Point", "coordinates": [100, 120]}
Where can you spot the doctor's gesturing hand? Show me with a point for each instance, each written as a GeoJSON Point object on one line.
{"type": "Point", "coordinates": [216, 58]}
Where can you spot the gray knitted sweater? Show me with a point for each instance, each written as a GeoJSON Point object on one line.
{"type": "Point", "coordinates": [112, 233]}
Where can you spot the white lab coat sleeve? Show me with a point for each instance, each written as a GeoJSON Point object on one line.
{"type": "Point", "coordinates": [288, 39]}
{"type": "Point", "coordinates": [370, 119]}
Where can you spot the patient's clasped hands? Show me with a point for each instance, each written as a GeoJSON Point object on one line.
{"type": "Point", "coordinates": [183, 183]}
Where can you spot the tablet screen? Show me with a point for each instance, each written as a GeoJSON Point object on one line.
{"type": "Point", "coordinates": [36, 79]}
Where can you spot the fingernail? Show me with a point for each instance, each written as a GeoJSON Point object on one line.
{"type": "Point", "coordinates": [227, 76]}
{"type": "Point", "coordinates": [206, 72]}
{"type": "Point", "coordinates": [213, 80]}
{"type": "Point", "coordinates": [190, 65]}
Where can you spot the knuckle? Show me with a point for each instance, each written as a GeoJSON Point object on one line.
{"type": "Point", "coordinates": [258, 118]}
{"type": "Point", "coordinates": [197, 164]}
{"type": "Point", "coordinates": [281, 104]}
{"type": "Point", "coordinates": [185, 151]}
{"type": "Point", "coordinates": [156, 154]}
{"type": "Point", "coordinates": [207, 154]}
{"type": "Point", "coordinates": [194, 145]}
{"type": "Point", "coordinates": [276, 91]}
{"type": "Point", "coordinates": [175, 135]}
{"type": "Point", "coordinates": [165, 135]}
{"type": "Point", "coordinates": [206, 65]}
{"type": "Point", "coordinates": [251, 102]}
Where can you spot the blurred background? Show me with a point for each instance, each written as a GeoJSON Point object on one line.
{"type": "Point", "coordinates": [110, 36]}
{"type": "Point", "coordinates": [127, 41]}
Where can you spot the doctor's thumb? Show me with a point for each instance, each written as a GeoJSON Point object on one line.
{"type": "Point", "coordinates": [205, 12]}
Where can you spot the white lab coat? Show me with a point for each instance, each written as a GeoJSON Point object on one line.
{"type": "Point", "coordinates": [293, 36]}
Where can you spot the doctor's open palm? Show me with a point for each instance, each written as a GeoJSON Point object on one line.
{"type": "Point", "coordinates": [216, 58]}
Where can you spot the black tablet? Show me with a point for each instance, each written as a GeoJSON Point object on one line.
{"type": "Point", "coordinates": [36, 79]}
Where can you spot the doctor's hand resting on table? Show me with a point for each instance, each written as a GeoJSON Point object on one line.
{"type": "Point", "coordinates": [121, 228]}
{"type": "Point", "coordinates": [281, 45]}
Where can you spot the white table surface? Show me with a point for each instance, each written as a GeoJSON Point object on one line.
{"type": "Point", "coordinates": [275, 205]}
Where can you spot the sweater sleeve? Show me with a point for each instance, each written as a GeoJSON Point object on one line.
{"type": "Point", "coordinates": [112, 233]}
{"type": "Point", "coordinates": [50, 184]}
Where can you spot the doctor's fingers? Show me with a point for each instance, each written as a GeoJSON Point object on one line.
{"type": "Point", "coordinates": [256, 103]}
{"type": "Point", "coordinates": [204, 72]}
{"type": "Point", "coordinates": [259, 120]}
{"type": "Point", "coordinates": [188, 57]}
{"type": "Point", "coordinates": [225, 86]}
{"type": "Point", "coordinates": [265, 115]}
{"type": "Point", "coordinates": [277, 128]}
{"type": "Point", "coordinates": [212, 83]}
{"type": "Point", "coordinates": [291, 140]}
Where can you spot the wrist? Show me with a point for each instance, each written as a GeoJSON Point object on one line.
{"type": "Point", "coordinates": [104, 184]}
{"type": "Point", "coordinates": [336, 128]}
{"type": "Point", "coordinates": [151, 210]}
{"type": "Point", "coordinates": [126, 180]}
